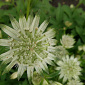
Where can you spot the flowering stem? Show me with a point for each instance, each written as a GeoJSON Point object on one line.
{"type": "Point", "coordinates": [28, 8]}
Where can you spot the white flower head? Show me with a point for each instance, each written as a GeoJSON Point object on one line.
{"type": "Point", "coordinates": [69, 68]}
{"type": "Point", "coordinates": [67, 41]}
{"type": "Point", "coordinates": [74, 82]}
{"type": "Point", "coordinates": [29, 46]}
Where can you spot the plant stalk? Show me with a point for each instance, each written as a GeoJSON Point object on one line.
{"type": "Point", "coordinates": [28, 8]}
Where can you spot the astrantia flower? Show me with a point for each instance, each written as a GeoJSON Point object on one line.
{"type": "Point", "coordinates": [29, 46]}
{"type": "Point", "coordinates": [74, 82]}
{"type": "Point", "coordinates": [67, 41]}
{"type": "Point", "coordinates": [69, 68]}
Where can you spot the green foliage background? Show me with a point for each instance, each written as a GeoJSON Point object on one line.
{"type": "Point", "coordinates": [57, 16]}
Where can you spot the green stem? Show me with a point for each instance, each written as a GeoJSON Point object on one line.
{"type": "Point", "coordinates": [13, 2]}
{"type": "Point", "coordinates": [80, 2]}
{"type": "Point", "coordinates": [65, 30]}
{"type": "Point", "coordinates": [78, 5]}
{"type": "Point", "coordinates": [28, 8]}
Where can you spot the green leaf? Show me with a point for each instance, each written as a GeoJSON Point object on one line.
{"type": "Point", "coordinates": [25, 82]}
{"type": "Point", "coordinates": [3, 49]}
{"type": "Point", "coordinates": [4, 3]}
{"type": "Point", "coordinates": [84, 2]}
{"type": "Point", "coordinates": [59, 14]}
{"type": "Point", "coordinates": [67, 10]}
{"type": "Point", "coordinates": [80, 32]}
{"type": "Point", "coordinates": [81, 1]}
{"type": "Point", "coordinates": [20, 6]}
{"type": "Point", "coordinates": [1, 13]}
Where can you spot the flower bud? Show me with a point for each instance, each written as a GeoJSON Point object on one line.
{"type": "Point", "coordinates": [14, 75]}
{"type": "Point", "coordinates": [71, 6]}
{"type": "Point", "coordinates": [68, 23]}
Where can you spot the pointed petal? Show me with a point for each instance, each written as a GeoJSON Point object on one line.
{"type": "Point", "coordinates": [52, 41]}
{"type": "Point", "coordinates": [4, 62]}
{"type": "Point", "coordinates": [30, 72]}
{"type": "Point", "coordinates": [29, 22]}
{"type": "Point", "coordinates": [51, 56]}
{"type": "Point", "coordinates": [50, 33]}
{"type": "Point", "coordinates": [6, 55]}
{"type": "Point", "coordinates": [11, 32]}
{"type": "Point", "coordinates": [51, 49]}
{"type": "Point", "coordinates": [21, 70]}
{"type": "Point", "coordinates": [58, 68]}
{"type": "Point", "coordinates": [64, 79]}
{"type": "Point", "coordinates": [61, 76]}
{"type": "Point", "coordinates": [38, 56]}
{"type": "Point", "coordinates": [49, 62]}
{"type": "Point", "coordinates": [14, 23]}
{"type": "Point", "coordinates": [4, 42]}
{"type": "Point", "coordinates": [35, 23]}
{"type": "Point", "coordinates": [60, 63]}
{"type": "Point", "coordinates": [38, 69]}
{"type": "Point", "coordinates": [22, 23]}
{"type": "Point", "coordinates": [42, 66]}
{"type": "Point", "coordinates": [45, 66]}
{"type": "Point", "coordinates": [43, 26]}
{"type": "Point", "coordinates": [8, 68]}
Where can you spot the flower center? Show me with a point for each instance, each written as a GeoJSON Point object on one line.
{"type": "Point", "coordinates": [28, 51]}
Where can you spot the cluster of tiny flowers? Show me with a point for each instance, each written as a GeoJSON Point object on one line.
{"type": "Point", "coordinates": [67, 41]}
{"type": "Point", "coordinates": [69, 68]}
{"type": "Point", "coordinates": [74, 82]}
{"type": "Point", "coordinates": [29, 45]}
